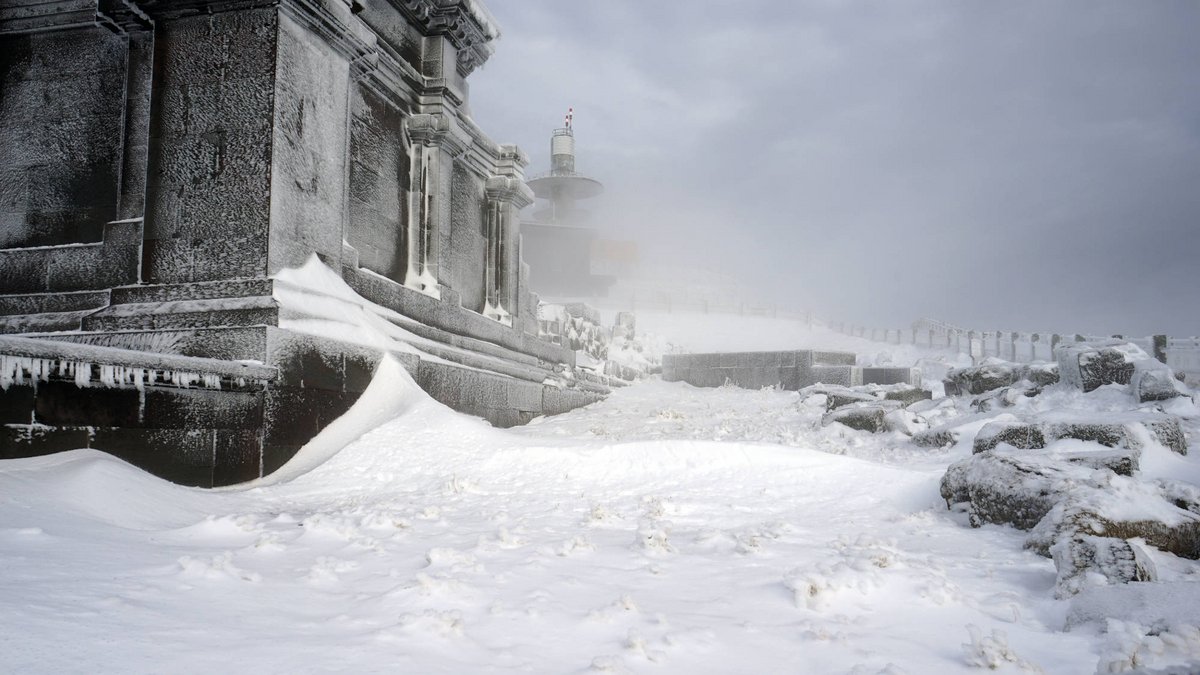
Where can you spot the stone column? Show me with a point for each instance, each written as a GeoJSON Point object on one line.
{"type": "Point", "coordinates": [506, 196]}
{"type": "Point", "coordinates": [139, 74]}
{"type": "Point", "coordinates": [433, 149]}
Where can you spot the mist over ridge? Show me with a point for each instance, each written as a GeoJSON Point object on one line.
{"type": "Point", "coordinates": [1016, 166]}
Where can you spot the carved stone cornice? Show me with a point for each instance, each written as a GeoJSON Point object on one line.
{"type": "Point", "coordinates": [124, 16]}
{"type": "Point", "coordinates": [31, 16]}
{"type": "Point", "coordinates": [508, 189]}
{"type": "Point", "coordinates": [435, 130]}
{"type": "Point", "coordinates": [174, 9]}
{"type": "Point", "coordinates": [462, 22]}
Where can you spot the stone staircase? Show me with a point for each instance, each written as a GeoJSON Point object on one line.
{"type": "Point", "coordinates": [201, 304]}
{"type": "Point", "coordinates": [48, 312]}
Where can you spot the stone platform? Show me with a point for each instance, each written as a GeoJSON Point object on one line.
{"type": "Point", "coordinates": [789, 370]}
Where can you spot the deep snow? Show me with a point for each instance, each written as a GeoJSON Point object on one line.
{"type": "Point", "coordinates": [666, 529]}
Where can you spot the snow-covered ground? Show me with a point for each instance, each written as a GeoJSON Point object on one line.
{"type": "Point", "coordinates": [666, 529]}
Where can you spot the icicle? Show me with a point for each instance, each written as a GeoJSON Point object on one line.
{"type": "Point", "coordinates": [212, 381]}
{"type": "Point", "coordinates": [83, 374]}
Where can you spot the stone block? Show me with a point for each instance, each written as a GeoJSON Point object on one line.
{"type": "Point", "coordinates": [1080, 559]}
{"type": "Point", "coordinates": [843, 376]}
{"type": "Point", "coordinates": [236, 456]}
{"type": "Point", "coordinates": [886, 376]}
{"type": "Point", "coordinates": [833, 358]}
{"type": "Point", "coordinates": [1089, 365]}
{"type": "Point", "coordinates": [909, 395]}
{"type": "Point", "coordinates": [183, 456]}
{"type": "Point", "coordinates": [33, 440]}
{"type": "Point", "coordinates": [61, 403]}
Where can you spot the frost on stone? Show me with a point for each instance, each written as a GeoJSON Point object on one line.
{"type": "Point", "coordinates": [1090, 365]}
{"type": "Point", "coordinates": [1009, 486]}
{"type": "Point", "coordinates": [1120, 507]}
{"type": "Point", "coordinates": [1154, 381]}
{"type": "Point", "coordinates": [995, 374]}
{"type": "Point", "coordinates": [866, 416]}
{"type": "Point", "coordinates": [1087, 560]}
{"type": "Point", "coordinates": [1130, 431]}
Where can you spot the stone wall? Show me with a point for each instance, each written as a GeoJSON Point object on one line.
{"type": "Point", "coordinates": [62, 96]}
{"type": "Point", "coordinates": [209, 187]}
{"type": "Point", "coordinates": [379, 179]}
{"type": "Point", "coordinates": [789, 370]}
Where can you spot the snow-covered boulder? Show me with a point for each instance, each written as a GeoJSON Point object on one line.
{"type": "Point", "coordinates": [1089, 365]}
{"type": "Point", "coordinates": [997, 374]}
{"type": "Point", "coordinates": [1120, 507]}
{"type": "Point", "coordinates": [1086, 560]}
{"type": "Point", "coordinates": [1023, 435]}
{"type": "Point", "coordinates": [1130, 430]}
{"type": "Point", "coordinates": [1040, 374]}
{"type": "Point", "coordinates": [835, 396]}
{"type": "Point", "coordinates": [1009, 486]}
{"type": "Point", "coordinates": [908, 395]}
{"type": "Point", "coordinates": [867, 416]}
{"type": "Point", "coordinates": [1155, 381]}
{"type": "Point", "coordinates": [1005, 397]}
{"type": "Point", "coordinates": [979, 379]}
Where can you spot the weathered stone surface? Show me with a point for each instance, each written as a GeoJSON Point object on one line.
{"type": "Point", "coordinates": [1089, 365]}
{"type": "Point", "coordinates": [1114, 430]}
{"type": "Point", "coordinates": [1086, 560]}
{"type": "Point", "coordinates": [836, 397]}
{"type": "Point", "coordinates": [865, 416]}
{"type": "Point", "coordinates": [979, 379]}
{"type": "Point", "coordinates": [1014, 487]}
{"type": "Point", "coordinates": [1021, 435]}
{"type": "Point", "coordinates": [845, 376]}
{"type": "Point", "coordinates": [991, 376]}
{"type": "Point", "coordinates": [891, 375]}
{"type": "Point", "coordinates": [908, 395]}
{"type": "Point", "coordinates": [1119, 507]}
{"type": "Point", "coordinates": [1155, 381]}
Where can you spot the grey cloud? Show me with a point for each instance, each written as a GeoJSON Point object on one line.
{"type": "Point", "coordinates": [1022, 165]}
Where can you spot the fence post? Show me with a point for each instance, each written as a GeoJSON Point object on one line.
{"type": "Point", "coordinates": [1054, 340]}
{"type": "Point", "coordinates": [1160, 347]}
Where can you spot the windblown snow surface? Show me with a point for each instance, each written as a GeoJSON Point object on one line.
{"type": "Point", "coordinates": [667, 529]}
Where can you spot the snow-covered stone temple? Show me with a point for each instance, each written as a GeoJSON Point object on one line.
{"type": "Point", "coordinates": [217, 216]}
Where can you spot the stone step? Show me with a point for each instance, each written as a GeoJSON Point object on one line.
{"type": "Point", "coordinates": [208, 313]}
{"type": "Point", "coordinates": [40, 303]}
{"type": "Point", "coordinates": [45, 322]}
{"type": "Point", "coordinates": [196, 290]}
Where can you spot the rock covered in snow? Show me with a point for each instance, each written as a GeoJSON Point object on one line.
{"type": "Point", "coordinates": [867, 416]}
{"type": "Point", "coordinates": [1155, 381]}
{"type": "Point", "coordinates": [1086, 560]}
{"type": "Point", "coordinates": [1009, 486]}
{"type": "Point", "coordinates": [980, 379]}
{"type": "Point", "coordinates": [1120, 507]}
{"type": "Point", "coordinates": [1089, 365]}
{"type": "Point", "coordinates": [908, 395]}
{"type": "Point", "coordinates": [1112, 430]}
{"type": "Point", "coordinates": [835, 396]}
{"type": "Point", "coordinates": [996, 374]}
{"type": "Point", "coordinates": [1005, 397]}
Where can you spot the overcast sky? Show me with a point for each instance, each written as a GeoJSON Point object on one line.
{"type": "Point", "coordinates": [1017, 165]}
